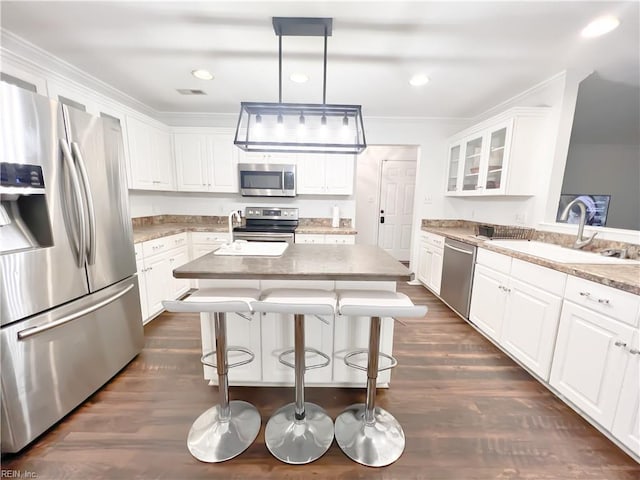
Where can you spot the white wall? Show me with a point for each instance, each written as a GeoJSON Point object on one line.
{"type": "Point", "coordinates": [607, 169]}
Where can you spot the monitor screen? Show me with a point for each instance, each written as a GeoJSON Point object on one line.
{"type": "Point", "coordinates": [597, 207]}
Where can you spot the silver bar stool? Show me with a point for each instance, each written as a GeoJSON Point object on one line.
{"type": "Point", "coordinates": [368, 434]}
{"type": "Point", "coordinates": [299, 432]}
{"type": "Point", "coordinates": [225, 430]}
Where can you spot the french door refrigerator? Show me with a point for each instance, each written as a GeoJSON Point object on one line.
{"type": "Point", "coordinates": [70, 311]}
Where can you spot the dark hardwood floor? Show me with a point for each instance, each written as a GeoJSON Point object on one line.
{"type": "Point", "coordinates": [468, 412]}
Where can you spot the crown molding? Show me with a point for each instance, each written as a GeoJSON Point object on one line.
{"type": "Point", "coordinates": [36, 60]}
{"type": "Point", "coordinates": [510, 102]}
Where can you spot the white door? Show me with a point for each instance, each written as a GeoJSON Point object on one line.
{"type": "Point", "coordinates": [397, 188]}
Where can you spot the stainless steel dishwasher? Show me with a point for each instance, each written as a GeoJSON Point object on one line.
{"type": "Point", "coordinates": [458, 262]}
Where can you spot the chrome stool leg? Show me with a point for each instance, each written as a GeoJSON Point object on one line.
{"type": "Point", "coordinates": [368, 434]}
{"type": "Point", "coordinates": [299, 432]}
{"type": "Point", "coordinates": [225, 430]}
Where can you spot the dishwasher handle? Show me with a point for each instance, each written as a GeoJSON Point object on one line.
{"type": "Point", "coordinates": [467, 252]}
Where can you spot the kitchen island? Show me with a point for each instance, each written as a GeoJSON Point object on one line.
{"type": "Point", "coordinates": [326, 267]}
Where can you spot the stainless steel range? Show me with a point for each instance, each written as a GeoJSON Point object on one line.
{"type": "Point", "coordinates": [268, 224]}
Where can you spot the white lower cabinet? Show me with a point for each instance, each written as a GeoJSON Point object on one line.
{"type": "Point", "coordinates": [156, 260]}
{"type": "Point", "coordinates": [590, 360]}
{"type": "Point", "coordinates": [517, 304]}
{"type": "Point", "coordinates": [203, 243]}
{"type": "Point", "coordinates": [335, 239]}
{"type": "Point", "coordinates": [430, 257]}
{"type": "Point", "coordinates": [626, 423]}
{"type": "Point", "coordinates": [488, 300]}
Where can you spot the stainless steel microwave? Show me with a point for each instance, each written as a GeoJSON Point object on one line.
{"type": "Point", "coordinates": [267, 180]}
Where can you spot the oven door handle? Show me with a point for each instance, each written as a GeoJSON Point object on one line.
{"type": "Point", "coordinates": [263, 236]}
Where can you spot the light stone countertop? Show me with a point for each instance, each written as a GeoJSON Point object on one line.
{"type": "Point", "coordinates": [622, 277]}
{"type": "Point", "coordinates": [302, 262]}
{"type": "Point", "coordinates": [151, 232]}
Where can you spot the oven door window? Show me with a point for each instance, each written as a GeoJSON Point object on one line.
{"type": "Point", "coordinates": [261, 180]}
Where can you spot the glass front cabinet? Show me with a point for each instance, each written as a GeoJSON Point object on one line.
{"type": "Point", "coordinates": [497, 157]}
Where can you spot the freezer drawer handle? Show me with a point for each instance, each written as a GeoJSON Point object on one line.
{"type": "Point", "coordinates": [467, 252]}
{"type": "Point", "coordinates": [29, 332]}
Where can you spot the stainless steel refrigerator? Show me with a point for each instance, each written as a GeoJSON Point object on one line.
{"type": "Point", "coordinates": [70, 311]}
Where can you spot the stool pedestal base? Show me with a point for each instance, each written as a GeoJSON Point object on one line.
{"type": "Point", "coordinates": [376, 445]}
{"type": "Point", "coordinates": [299, 441]}
{"type": "Point", "coordinates": [212, 439]}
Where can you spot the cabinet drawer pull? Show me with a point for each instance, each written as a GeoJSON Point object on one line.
{"type": "Point", "coordinates": [618, 343]}
{"type": "Point", "coordinates": [633, 351]}
{"type": "Point", "coordinates": [585, 294]}
{"type": "Point", "coordinates": [604, 301]}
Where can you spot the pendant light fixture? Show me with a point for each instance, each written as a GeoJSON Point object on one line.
{"type": "Point", "coordinates": [300, 127]}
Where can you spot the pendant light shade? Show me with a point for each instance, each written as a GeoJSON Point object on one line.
{"type": "Point", "coordinates": [276, 127]}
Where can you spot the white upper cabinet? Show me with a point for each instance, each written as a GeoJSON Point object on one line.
{"type": "Point", "coordinates": [325, 174]}
{"type": "Point", "coordinates": [498, 156]}
{"type": "Point", "coordinates": [206, 162]}
{"type": "Point", "coordinates": [150, 156]}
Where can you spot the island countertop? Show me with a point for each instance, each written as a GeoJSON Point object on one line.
{"type": "Point", "coordinates": [302, 262]}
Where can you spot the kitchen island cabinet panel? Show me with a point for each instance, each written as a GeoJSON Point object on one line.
{"type": "Point", "coordinates": [328, 267]}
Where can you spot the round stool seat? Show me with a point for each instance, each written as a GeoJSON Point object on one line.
{"type": "Point", "coordinates": [225, 430]}
{"type": "Point", "coordinates": [301, 301]}
{"type": "Point", "coordinates": [299, 432]}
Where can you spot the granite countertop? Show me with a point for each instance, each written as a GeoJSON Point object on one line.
{"type": "Point", "coordinates": [143, 233]}
{"type": "Point", "coordinates": [622, 277]}
{"type": "Point", "coordinates": [302, 262]}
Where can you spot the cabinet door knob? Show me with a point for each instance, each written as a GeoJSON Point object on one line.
{"type": "Point", "coordinates": [633, 351]}
{"type": "Point", "coordinates": [618, 343]}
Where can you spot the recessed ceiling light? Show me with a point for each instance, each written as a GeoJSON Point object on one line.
{"type": "Point", "coordinates": [600, 26]}
{"type": "Point", "coordinates": [202, 74]}
{"type": "Point", "coordinates": [419, 79]}
{"type": "Point", "coordinates": [298, 77]}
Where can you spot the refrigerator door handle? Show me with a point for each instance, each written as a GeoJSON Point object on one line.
{"type": "Point", "coordinates": [75, 148]}
{"type": "Point", "coordinates": [82, 234]}
{"type": "Point", "coordinates": [29, 332]}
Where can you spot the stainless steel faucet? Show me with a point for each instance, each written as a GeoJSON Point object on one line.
{"type": "Point", "coordinates": [580, 241]}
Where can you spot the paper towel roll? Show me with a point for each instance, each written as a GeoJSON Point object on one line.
{"type": "Point", "coordinates": [335, 221]}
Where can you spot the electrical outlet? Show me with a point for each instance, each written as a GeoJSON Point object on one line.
{"type": "Point", "coordinates": [521, 218]}
{"type": "Point", "coordinates": [428, 199]}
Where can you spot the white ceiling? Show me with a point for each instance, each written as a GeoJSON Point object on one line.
{"type": "Point", "coordinates": [477, 54]}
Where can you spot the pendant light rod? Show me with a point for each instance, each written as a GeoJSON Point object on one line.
{"type": "Point", "coordinates": [279, 68]}
{"type": "Point", "coordinates": [324, 81]}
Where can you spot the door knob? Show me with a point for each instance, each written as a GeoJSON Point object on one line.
{"type": "Point", "coordinates": [381, 216]}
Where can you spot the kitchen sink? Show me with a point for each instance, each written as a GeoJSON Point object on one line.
{"type": "Point", "coordinates": [556, 253]}
{"type": "Point", "coordinates": [254, 249]}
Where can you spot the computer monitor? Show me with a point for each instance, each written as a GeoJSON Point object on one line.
{"type": "Point", "coordinates": [597, 208]}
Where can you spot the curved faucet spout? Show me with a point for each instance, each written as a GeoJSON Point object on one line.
{"type": "Point", "coordinates": [233, 215]}
{"type": "Point", "coordinates": [580, 240]}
